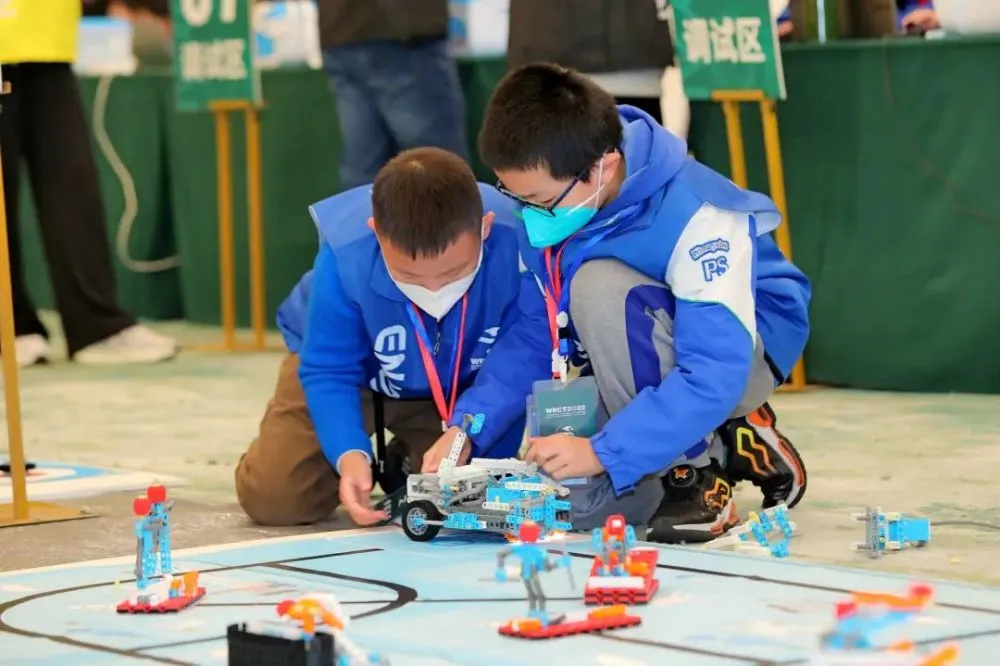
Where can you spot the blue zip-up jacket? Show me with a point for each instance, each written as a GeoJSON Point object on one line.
{"type": "Point", "coordinates": [347, 320]}
{"type": "Point", "coordinates": [684, 225]}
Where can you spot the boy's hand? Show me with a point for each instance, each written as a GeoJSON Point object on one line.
{"type": "Point", "coordinates": [564, 456]}
{"type": "Point", "coordinates": [440, 450]}
{"type": "Point", "coordinates": [356, 489]}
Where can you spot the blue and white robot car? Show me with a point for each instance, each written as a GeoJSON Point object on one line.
{"type": "Point", "coordinates": [485, 495]}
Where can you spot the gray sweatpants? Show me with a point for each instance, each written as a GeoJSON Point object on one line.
{"type": "Point", "coordinates": [607, 299]}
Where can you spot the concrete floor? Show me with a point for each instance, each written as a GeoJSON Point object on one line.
{"type": "Point", "coordinates": [929, 455]}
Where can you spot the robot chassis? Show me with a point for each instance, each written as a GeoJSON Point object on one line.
{"type": "Point", "coordinates": [485, 495]}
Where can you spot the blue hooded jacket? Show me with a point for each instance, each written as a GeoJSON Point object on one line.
{"type": "Point", "coordinates": [684, 225]}
{"type": "Point", "coordinates": [349, 324]}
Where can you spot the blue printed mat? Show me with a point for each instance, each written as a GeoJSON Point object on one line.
{"type": "Point", "coordinates": [437, 604]}
{"type": "Point", "coordinates": [49, 481]}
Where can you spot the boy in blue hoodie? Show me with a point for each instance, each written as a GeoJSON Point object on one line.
{"type": "Point", "coordinates": [660, 278]}
{"type": "Point", "coordinates": [416, 278]}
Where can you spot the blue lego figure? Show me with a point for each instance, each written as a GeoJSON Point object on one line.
{"type": "Point", "coordinates": [534, 561]}
{"type": "Point", "coordinates": [765, 527]}
{"type": "Point", "coordinates": [612, 544]}
{"type": "Point", "coordinates": [152, 533]}
{"type": "Point", "coordinates": [891, 531]}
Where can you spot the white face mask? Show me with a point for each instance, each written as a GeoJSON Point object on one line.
{"type": "Point", "coordinates": [438, 303]}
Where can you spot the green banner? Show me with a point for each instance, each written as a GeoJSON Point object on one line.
{"type": "Point", "coordinates": [728, 46]}
{"type": "Point", "coordinates": [213, 53]}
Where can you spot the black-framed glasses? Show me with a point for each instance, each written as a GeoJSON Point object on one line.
{"type": "Point", "coordinates": [546, 209]}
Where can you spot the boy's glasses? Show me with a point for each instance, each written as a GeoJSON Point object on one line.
{"type": "Point", "coordinates": [547, 209]}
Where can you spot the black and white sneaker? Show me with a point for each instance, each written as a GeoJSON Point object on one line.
{"type": "Point", "coordinates": [697, 506]}
{"type": "Point", "coordinates": [757, 452]}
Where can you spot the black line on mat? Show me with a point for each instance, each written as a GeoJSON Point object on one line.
{"type": "Point", "coordinates": [97, 647]}
{"type": "Point", "coordinates": [645, 642]}
{"type": "Point", "coordinates": [404, 595]}
{"type": "Point", "coordinates": [418, 600]}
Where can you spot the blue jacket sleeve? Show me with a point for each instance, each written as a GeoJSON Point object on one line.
{"type": "Point", "coordinates": [711, 275]}
{"type": "Point", "coordinates": [521, 356]}
{"type": "Point", "coordinates": [331, 363]}
{"type": "Point", "coordinates": [785, 15]}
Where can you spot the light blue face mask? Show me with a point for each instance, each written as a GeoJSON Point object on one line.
{"type": "Point", "coordinates": [546, 229]}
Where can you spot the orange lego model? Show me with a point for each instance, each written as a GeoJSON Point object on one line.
{"type": "Point", "coordinates": [622, 573]}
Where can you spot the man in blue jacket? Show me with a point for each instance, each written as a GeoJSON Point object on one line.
{"type": "Point", "coordinates": [660, 277]}
{"type": "Point", "coordinates": [416, 278]}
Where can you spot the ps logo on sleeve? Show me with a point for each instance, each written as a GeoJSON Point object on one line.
{"type": "Point", "coordinates": [714, 267]}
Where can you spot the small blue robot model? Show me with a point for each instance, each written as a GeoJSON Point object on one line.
{"type": "Point", "coordinates": [891, 531]}
{"type": "Point", "coordinates": [534, 561]}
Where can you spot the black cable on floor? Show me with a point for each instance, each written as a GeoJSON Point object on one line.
{"type": "Point", "coordinates": [965, 523]}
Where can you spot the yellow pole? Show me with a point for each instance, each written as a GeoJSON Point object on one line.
{"type": "Point", "coordinates": [12, 394]}
{"type": "Point", "coordinates": [776, 183]}
{"type": "Point", "coordinates": [256, 236]}
{"type": "Point", "coordinates": [730, 100]}
{"type": "Point", "coordinates": [224, 192]}
{"type": "Point", "coordinates": [734, 137]}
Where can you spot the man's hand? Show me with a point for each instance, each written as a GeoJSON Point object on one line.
{"type": "Point", "coordinates": [921, 19]}
{"type": "Point", "coordinates": [564, 456]}
{"type": "Point", "coordinates": [356, 489]}
{"type": "Point", "coordinates": [785, 28]}
{"type": "Point", "coordinates": [440, 450]}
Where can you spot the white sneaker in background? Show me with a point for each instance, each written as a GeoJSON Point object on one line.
{"type": "Point", "coordinates": [134, 345]}
{"type": "Point", "coordinates": [31, 350]}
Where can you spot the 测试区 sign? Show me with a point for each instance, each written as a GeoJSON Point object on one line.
{"type": "Point", "coordinates": [213, 53]}
{"type": "Point", "coordinates": [728, 46]}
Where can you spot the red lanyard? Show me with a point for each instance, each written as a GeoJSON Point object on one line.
{"type": "Point", "coordinates": [553, 291]}
{"type": "Point", "coordinates": [445, 409]}
{"type": "Point", "coordinates": [553, 301]}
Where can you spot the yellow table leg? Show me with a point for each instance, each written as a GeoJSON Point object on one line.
{"type": "Point", "coordinates": [258, 303]}
{"type": "Point", "coordinates": [224, 192]}
{"type": "Point", "coordinates": [734, 137]}
{"type": "Point", "coordinates": [776, 183]}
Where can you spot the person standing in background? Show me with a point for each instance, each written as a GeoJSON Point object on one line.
{"type": "Point", "coordinates": [43, 125]}
{"type": "Point", "coordinates": [616, 42]}
{"type": "Point", "coordinates": [395, 84]}
{"type": "Point", "coordinates": [150, 19]}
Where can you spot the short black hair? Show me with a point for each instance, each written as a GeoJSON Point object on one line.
{"type": "Point", "coordinates": [424, 199]}
{"type": "Point", "coordinates": [548, 116]}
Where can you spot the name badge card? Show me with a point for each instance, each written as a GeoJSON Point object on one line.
{"type": "Point", "coordinates": [570, 408]}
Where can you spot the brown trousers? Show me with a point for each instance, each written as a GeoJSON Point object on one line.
{"type": "Point", "coordinates": [284, 479]}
